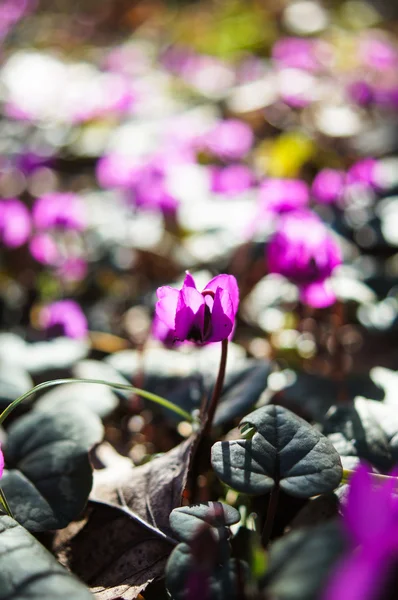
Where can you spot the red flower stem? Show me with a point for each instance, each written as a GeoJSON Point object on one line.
{"type": "Point", "coordinates": [201, 452]}
{"type": "Point", "coordinates": [271, 512]}
{"type": "Point", "coordinates": [217, 390]}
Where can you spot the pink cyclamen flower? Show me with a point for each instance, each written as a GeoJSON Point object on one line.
{"type": "Point", "coordinates": [303, 250]}
{"type": "Point", "coordinates": [201, 317]}
{"type": "Point", "coordinates": [64, 316]}
{"type": "Point", "coordinates": [283, 195]}
{"type": "Point", "coordinates": [150, 190]}
{"type": "Point", "coordinates": [297, 53]}
{"type": "Point", "coordinates": [59, 210]}
{"type": "Point", "coordinates": [1, 462]}
{"type": "Point", "coordinates": [15, 223]}
{"type": "Point", "coordinates": [328, 186]}
{"type": "Point", "coordinates": [231, 180]}
{"type": "Point", "coordinates": [380, 54]}
{"type": "Point", "coordinates": [44, 249]}
{"type": "Point", "coordinates": [116, 170]}
{"type": "Point", "coordinates": [370, 519]}
{"type": "Point", "coordinates": [229, 140]}
{"type": "Point", "coordinates": [363, 173]}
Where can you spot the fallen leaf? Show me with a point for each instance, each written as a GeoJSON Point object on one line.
{"type": "Point", "coordinates": [124, 541]}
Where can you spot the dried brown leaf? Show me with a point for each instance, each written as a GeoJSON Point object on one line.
{"type": "Point", "coordinates": [123, 542]}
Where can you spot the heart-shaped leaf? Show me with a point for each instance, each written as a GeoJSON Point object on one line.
{"type": "Point", "coordinates": [187, 520]}
{"type": "Point", "coordinates": [186, 569]}
{"type": "Point", "coordinates": [28, 570]}
{"type": "Point", "coordinates": [49, 476]}
{"type": "Point", "coordinates": [300, 562]}
{"type": "Point", "coordinates": [284, 450]}
{"type": "Point", "coordinates": [367, 430]}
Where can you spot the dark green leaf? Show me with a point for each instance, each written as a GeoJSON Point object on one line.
{"type": "Point", "coordinates": [285, 450]}
{"type": "Point", "coordinates": [49, 476]}
{"type": "Point", "coordinates": [367, 430]}
{"type": "Point", "coordinates": [187, 520]}
{"type": "Point", "coordinates": [29, 571]}
{"type": "Point", "coordinates": [217, 583]}
{"type": "Point", "coordinates": [300, 562]}
{"type": "Point", "coordinates": [242, 391]}
{"type": "Point", "coordinates": [312, 395]}
{"type": "Point", "coordinates": [14, 381]}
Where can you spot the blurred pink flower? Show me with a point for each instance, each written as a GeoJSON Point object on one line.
{"type": "Point", "coordinates": [303, 251]}
{"type": "Point", "coordinates": [44, 249]}
{"type": "Point", "coordinates": [72, 268]}
{"type": "Point", "coordinates": [229, 140]}
{"type": "Point", "coordinates": [379, 53]}
{"type": "Point", "coordinates": [296, 53]}
{"type": "Point", "coordinates": [117, 171]}
{"type": "Point", "coordinates": [328, 186]}
{"type": "Point", "coordinates": [231, 180]}
{"type": "Point", "coordinates": [283, 195]}
{"type": "Point", "coordinates": [63, 210]}
{"type": "Point", "coordinates": [363, 173]}
{"type": "Point", "coordinates": [65, 316]}
{"type": "Point", "coordinates": [150, 190]}
{"type": "Point", "coordinates": [15, 223]}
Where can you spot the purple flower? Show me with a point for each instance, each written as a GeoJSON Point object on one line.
{"type": "Point", "coordinates": [117, 171]}
{"type": "Point", "coordinates": [297, 53]}
{"type": "Point", "coordinates": [231, 180]}
{"type": "Point", "coordinates": [328, 186]}
{"type": "Point", "coordinates": [28, 162]}
{"type": "Point", "coordinates": [65, 316]}
{"type": "Point", "coordinates": [72, 268]}
{"type": "Point", "coordinates": [201, 317]}
{"type": "Point", "coordinates": [229, 140]}
{"type": "Point", "coordinates": [1, 462]}
{"type": "Point", "coordinates": [44, 249]}
{"type": "Point", "coordinates": [363, 173]}
{"type": "Point", "coordinates": [379, 54]}
{"type": "Point", "coordinates": [150, 190]}
{"type": "Point", "coordinates": [59, 210]}
{"type": "Point", "coordinates": [15, 223]}
{"type": "Point", "coordinates": [370, 518]}
{"type": "Point", "coordinates": [361, 92]}
{"type": "Point", "coordinates": [283, 195]}
{"type": "Point", "coordinates": [303, 251]}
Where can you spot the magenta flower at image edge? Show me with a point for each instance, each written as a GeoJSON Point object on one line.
{"type": "Point", "coordinates": [370, 520]}
{"type": "Point", "coordinates": [303, 251]}
{"type": "Point", "coordinates": [201, 317]}
{"type": "Point", "coordinates": [1, 462]}
{"type": "Point", "coordinates": [67, 315]}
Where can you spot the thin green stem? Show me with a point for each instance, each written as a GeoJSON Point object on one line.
{"type": "Point", "coordinates": [117, 386]}
{"type": "Point", "coordinates": [4, 502]}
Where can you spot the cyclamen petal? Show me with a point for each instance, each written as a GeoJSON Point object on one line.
{"type": "Point", "coordinates": [222, 316]}
{"type": "Point", "coordinates": [166, 308]}
{"type": "Point", "coordinates": [229, 283]}
{"type": "Point", "coordinates": [190, 315]}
